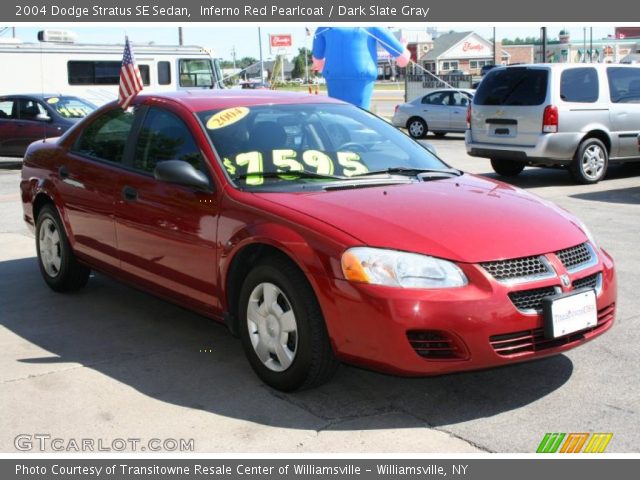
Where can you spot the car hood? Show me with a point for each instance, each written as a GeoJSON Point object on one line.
{"type": "Point", "coordinates": [466, 219]}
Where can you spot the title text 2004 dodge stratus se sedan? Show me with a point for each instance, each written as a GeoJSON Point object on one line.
{"type": "Point", "coordinates": [317, 232]}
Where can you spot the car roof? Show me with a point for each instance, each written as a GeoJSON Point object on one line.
{"type": "Point", "coordinates": [39, 96]}
{"type": "Point", "coordinates": [202, 100]}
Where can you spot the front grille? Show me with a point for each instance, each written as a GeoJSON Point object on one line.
{"type": "Point", "coordinates": [434, 345]}
{"type": "Point", "coordinates": [587, 282]}
{"type": "Point", "coordinates": [516, 268]}
{"type": "Point", "coordinates": [576, 256]}
{"type": "Point", "coordinates": [531, 299]}
{"type": "Point", "coordinates": [531, 341]}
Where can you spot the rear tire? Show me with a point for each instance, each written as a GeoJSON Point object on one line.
{"type": "Point", "coordinates": [590, 162]}
{"type": "Point", "coordinates": [58, 264]}
{"type": "Point", "coordinates": [282, 329]}
{"type": "Point", "coordinates": [506, 168]}
{"type": "Point", "coordinates": [417, 127]}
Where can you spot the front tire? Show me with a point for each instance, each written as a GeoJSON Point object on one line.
{"type": "Point", "coordinates": [590, 162]}
{"type": "Point", "coordinates": [506, 168]}
{"type": "Point", "coordinates": [417, 127]}
{"type": "Point", "coordinates": [58, 264]}
{"type": "Point", "coordinates": [282, 328]}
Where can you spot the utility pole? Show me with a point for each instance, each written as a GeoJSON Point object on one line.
{"type": "Point", "coordinates": [180, 36]}
{"type": "Point", "coordinates": [233, 56]}
{"type": "Point", "coordinates": [261, 60]}
{"type": "Point", "coordinates": [590, 44]}
{"type": "Point", "coordinates": [495, 62]}
{"type": "Point", "coordinates": [543, 34]}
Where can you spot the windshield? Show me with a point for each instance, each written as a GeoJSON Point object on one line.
{"type": "Point", "coordinates": [70, 107]}
{"type": "Point", "coordinates": [334, 140]}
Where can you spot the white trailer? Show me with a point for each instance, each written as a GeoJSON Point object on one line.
{"type": "Point", "coordinates": [92, 71]}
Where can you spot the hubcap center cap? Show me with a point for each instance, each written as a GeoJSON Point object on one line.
{"type": "Point", "coordinates": [273, 326]}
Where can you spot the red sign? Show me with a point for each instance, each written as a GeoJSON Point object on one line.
{"type": "Point", "coordinates": [281, 41]}
{"type": "Point", "coordinates": [468, 46]}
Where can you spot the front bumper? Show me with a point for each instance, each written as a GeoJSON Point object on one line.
{"type": "Point", "coordinates": [372, 325]}
{"type": "Point", "coordinates": [549, 148]}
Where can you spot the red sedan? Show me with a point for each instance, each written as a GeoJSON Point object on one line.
{"type": "Point", "coordinates": [316, 232]}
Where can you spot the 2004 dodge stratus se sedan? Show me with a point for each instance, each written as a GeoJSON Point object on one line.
{"type": "Point", "coordinates": [317, 232]}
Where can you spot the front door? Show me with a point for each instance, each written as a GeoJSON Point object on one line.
{"type": "Point", "coordinates": [624, 89]}
{"type": "Point", "coordinates": [167, 233]}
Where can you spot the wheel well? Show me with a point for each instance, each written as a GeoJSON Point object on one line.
{"type": "Point", "coordinates": [600, 135]}
{"type": "Point", "coordinates": [241, 265]}
{"type": "Point", "coordinates": [40, 201]}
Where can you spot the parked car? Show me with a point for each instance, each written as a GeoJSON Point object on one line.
{"type": "Point", "coordinates": [574, 115]}
{"type": "Point", "coordinates": [486, 69]}
{"type": "Point", "coordinates": [27, 118]}
{"type": "Point", "coordinates": [255, 85]}
{"type": "Point", "coordinates": [315, 231]}
{"type": "Point", "coordinates": [440, 111]}
{"type": "Point", "coordinates": [456, 73]}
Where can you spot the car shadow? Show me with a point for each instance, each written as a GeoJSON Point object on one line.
{"type": "Point", "coordinates": [533, 177]}
{"type": "Point", "coordinates": [178, 357]}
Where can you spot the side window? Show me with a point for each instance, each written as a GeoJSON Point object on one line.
{"type": "Point", "coordinates": [8, 109]}
{"type": "Point", "coordinates": [624, 84]}
{"type": "Point", "coordinates": [164, 136]}
{"type": "Point", "coordinates": [29, 109]}
{"type": "Point", "coordinates": [459, 99]}
{"type": "Point", "coordinates": [437, 98]}
{"type": "Point", "coordinates": [144, 74]}
{"type": "Point", "coordinates": [164, 73]}
{"type": "Point", "coordinates": [106, 137]}
{"type": "Point", "coordinates": [579, 85]}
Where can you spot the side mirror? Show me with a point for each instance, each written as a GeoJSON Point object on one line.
{"type": "Point", "coordinates": [182, 173]}
{"type": "Point", "coordinates": [43, 117]}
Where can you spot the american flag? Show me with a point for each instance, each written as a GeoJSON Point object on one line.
{"type": "Point", "coordinates": [130, 79]}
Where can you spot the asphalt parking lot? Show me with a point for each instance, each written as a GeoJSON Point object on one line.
{"type": "Point", "coordinates": [112, 362]}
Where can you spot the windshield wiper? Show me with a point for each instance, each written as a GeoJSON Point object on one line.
{"type": "Point", "coordinates": [410, 171]}
{"type": "Point", "coordinates": [293, 173]}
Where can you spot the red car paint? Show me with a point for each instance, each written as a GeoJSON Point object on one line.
{"type": "Point", "coordinates": [181, 245]}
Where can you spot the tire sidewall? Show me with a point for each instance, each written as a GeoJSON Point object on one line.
{"type": "Point", "coordinates": [295, 375]}
{"type": "Point", "coordinates": [49, 212]}
{"type": "Point", "coordinates": [576, 167]}
{"type": "Point", "coordinates": [420, 121]}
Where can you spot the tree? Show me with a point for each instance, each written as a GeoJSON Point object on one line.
{"type": "Point", "coordinates": [299, 68]}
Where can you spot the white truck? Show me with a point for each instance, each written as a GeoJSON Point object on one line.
{"type": "Point", "coordinates": [92, 71]}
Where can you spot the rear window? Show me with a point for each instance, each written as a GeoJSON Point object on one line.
{"type": "Point", "coordinates": [513, 86]}
{"type": "Point", "coordinates": [579, 85]}
{"type": "Point", "coordinates": [624, 84]}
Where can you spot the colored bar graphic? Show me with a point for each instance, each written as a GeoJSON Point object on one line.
{"type": "Point", "coordinates": [550, 443]}
{"type": "Point", "coordinates": [574, 442]}
{"type": "Point", "coordinates": [598, 442]}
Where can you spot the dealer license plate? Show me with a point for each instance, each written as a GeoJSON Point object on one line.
{"type": "Point", "coordinates": [568, 313]}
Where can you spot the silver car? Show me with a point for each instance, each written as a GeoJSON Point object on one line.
{"type": "Point", "coordinates": [440, 111]}
{"type": "Point", "coordinates": [580, 116]}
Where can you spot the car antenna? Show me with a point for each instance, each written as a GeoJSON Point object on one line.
{"type": "Point", "coordinates": [44, 127]}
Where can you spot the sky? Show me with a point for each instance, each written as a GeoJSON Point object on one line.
{"type": "Point", "coordinates": [222, 40]}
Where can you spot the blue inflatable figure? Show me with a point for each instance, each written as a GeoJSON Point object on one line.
{"type": "Point", "coordinates": [348, 60]}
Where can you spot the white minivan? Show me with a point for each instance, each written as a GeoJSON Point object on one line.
{"type": "Point", "coordinates": [580, 116]}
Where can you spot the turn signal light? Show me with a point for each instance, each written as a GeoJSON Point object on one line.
{"type": "Point", "coordinates": [550, 119]}
{"type": "Point", "coordinates": [352, 268]}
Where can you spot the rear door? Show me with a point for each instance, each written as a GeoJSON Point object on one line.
{"type": "Point", "coordinates": [458, 111]}
{"type": "Point", "coordinates": [87, 182]}
{"type": "Point", "coordinates": [624, 89]}
{"type": "Point", "coordinates": [509, 104]}
{"type": "Point", "coordinates": [8, 127]}
{"type": "Point", "coordinates": [167, 233]}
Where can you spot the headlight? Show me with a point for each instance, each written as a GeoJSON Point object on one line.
{"type": "Point", "coordinates": [400, 269]}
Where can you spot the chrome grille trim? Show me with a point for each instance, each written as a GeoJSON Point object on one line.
{"type": "Point", "coordinates": [520, 270]}
{"type": "Point", "coordinates": [578, 258]}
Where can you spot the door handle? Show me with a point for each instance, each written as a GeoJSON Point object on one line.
{"type": "Point", "coordinates": [63, 172]}
{"type": "Point", "coordinates": [130, 194]}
